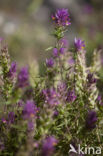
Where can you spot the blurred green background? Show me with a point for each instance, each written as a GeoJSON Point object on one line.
{"type": "Point", "coordinates": [26, 26]}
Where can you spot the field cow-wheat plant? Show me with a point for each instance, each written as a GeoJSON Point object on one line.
{"type": "Point", "coordinates": [59, 113]}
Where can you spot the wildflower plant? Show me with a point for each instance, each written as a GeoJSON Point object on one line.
{"type": "Point", "coordinates": [43, 117]}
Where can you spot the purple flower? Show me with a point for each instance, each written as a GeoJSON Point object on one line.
{"type": "Point", "coordinates": [4, 120]}
{"type": "Point", "coordinates": [20, 103]}
{"type": "Point", "coordinates": [61, 87]}
{"type": "Point", "coordinates": [71, 97]}
{"type": "Point", "coordinates": [56, 113]}
{"type": "Point", "coordinates": [23, 78]}
{"type": "Point", "coordinates": [50, 62]}
{"type": "Point", "coordinates": [49, 146]}
{"type": "Point", "coordinates": [29, 110]}
{"type": "Point", "coordinates": [62, 50]}
{"type": "Point", "coordinates": [12, 70]}
{"type": "Point", "coordinates": [1, 39]}
{"type": "Point", "coordinates": [91, 79]}
{"type": "Point", "coordinates": [51, 96]}
{"type": "Point", "coordinates": [91, 120]}
{"type": "Point", "coordinates": [71, 61]}
{"type": "Point", "coordinates": [36, 145]}
{"type": "Point", "coordinates": [30, 126]}
{"type": "Point", "coordinates": [88, 9]}
{"type": "Point", "coordinates": [11, 117]}
{"type": "Point", "coordinates": [79, 44]}
{"type": "Point", "coordinates": [101, 59]}
{"type": "Point", "coordinates": [55, 52]}
{"type": "Point", "coordinates": [61, 17]}
{"type": "Point", "coordinates": [64, 42]}
{"type": "Point", "coordinates": [62, 90]}
{"type": "Point", "coordinates": [99, 98]}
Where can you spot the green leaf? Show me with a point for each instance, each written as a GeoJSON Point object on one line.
{"type": "Point", "coordinates": [48, 48]}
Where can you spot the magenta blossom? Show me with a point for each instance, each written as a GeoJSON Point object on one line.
{"type": "Point", "coordinates": [30, 126]}
{"type": "Point", "coordinates": [50, 62]}
{"type": "Point", "coordinates": [71, 97]}
{"type": "Point", "coordinates": [71, 61]}
{"type": "Point", "coordinates": [61, 87]}
{"type": "Point", "coordinates": [61, 17]}
{"type": "Point", "coordinates": [99, 98]}
{"type": "Point", "coordinates": [62, 90]}
{"type": "Point", "coordinates": [51, 96]}
{"type": "Point", "coordinates": [11, 117]}
{"type": "Point", "coordinates": [1, 39]}
{"type": "Point", "coordinates": [62, 51]}
{"type": "Point", "coordinates": [91, 79]}
{"type": "Point", "coordinates": [64, 42]}
{"type": "Point", "coordinates": [12, 70]}
{"type": "Point", "coordinates": [88, 9]}
{"type": "Point", "coordinates": [49, 146]}
{"type": "Point", "coordinates": [23, 78]}
{"type": "Point", "coordinates": [91, 120]}
{"type": "Point", "coordinates": [55, 52]}
{"type": "Point", "coordinates": [56, 113]}
{"type": "Point", "coordinates": [29, 110]}
{"type": "Point", "coordinates": [4, 120]}
{"type": "Point", "coordinates": [20, 103]}
{"type": "Point", "coordinates": [79, 44]}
